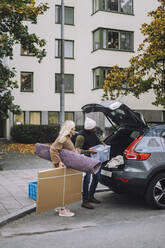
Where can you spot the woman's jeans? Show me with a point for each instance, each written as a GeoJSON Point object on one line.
{"type": "Point", "coordinates": [89, 191]}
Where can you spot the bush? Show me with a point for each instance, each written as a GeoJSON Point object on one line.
{"type": "Point", "coordinates": [29, 134]}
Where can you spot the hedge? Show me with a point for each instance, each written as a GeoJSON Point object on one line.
{"type": "Point", "coordinates": [29, 134]}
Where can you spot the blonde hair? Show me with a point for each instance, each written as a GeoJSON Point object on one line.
{"type": "Point", "coordinates": [65, 130]}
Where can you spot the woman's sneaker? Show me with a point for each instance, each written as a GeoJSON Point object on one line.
{"type": "Point", "coordinates": [65, 213]}
{"type": "Point", "coordinates": [57, 210]}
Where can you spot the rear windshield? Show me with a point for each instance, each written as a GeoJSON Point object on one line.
{"type": "Point", "coordinates": [155, 131]}
{"type": "Point", "coordinates": [153, 140]}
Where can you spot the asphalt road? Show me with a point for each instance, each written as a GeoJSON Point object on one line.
{"type": "Point", "coordinates": [119, 222]}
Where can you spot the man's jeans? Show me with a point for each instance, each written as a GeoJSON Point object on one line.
{"type": "Point", "coordinates": [86, 181]}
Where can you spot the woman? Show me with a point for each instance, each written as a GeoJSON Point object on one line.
{"type": "Point", "coordinates": [63, 141]}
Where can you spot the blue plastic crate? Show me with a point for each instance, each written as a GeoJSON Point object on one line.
{"type": "Point", "coordinates": [33, 190]}
{"type": "Point", "coordinates": [103, 152]}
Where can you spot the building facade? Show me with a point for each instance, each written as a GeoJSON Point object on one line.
{"type": "Point", "coordinates": [98, 34]}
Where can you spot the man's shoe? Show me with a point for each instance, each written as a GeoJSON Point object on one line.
{"type": "Point", "coordinates": [94, 200]}
{"type": "Point", "coordinates": [86, 204]}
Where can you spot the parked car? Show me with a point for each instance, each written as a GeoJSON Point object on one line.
{"type": "Point", "coordinates": [143, 150]}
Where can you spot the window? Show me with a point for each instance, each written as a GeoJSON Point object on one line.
{"type": "Point", "coordinates": [113, 39]}
{"type": "Point", "coordinates": [53, 117]}
{"type": "Point", "coordinates": [127, 6]}
{"type": "Point", "coordinates": [25, 52]}
{"type": "Point", "coordinates": [35, 118]}
{"type": "Point", "coordinates": [125, 41]}
{"type": "Point", "coordinates": [69, 116]}
{"type": "Point", "coordinates": [95, 5]}
{"type": "Point", "coordinates": [68, 15]}
{"type": "Point", "coordinates": [19, 119]}
{"type": "Point", "coordinates": [26, 81]}
{"type": "Point", "coordinates": [97, 80]}
{"type": "Point", "coordinates": [96, 40]}
{"type": "Point", "coordinates": [112, 5]}
{"type": "Point", "coordinates": [68, 49]}
{"type": "Point", "coordinates": [119, 6]}
{"type": "Point", "coordinates": [68, 83]}
{"type": "Point", "coordinates": [99, 75]}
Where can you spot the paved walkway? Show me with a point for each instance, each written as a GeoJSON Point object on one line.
{"type": "Point", "coordinates": [17, 170]}
{"type": "Point", "coordinates": [14, 198]}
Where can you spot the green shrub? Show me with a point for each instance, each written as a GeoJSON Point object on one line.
{"type": "Point", "coordinates": [29, 134]}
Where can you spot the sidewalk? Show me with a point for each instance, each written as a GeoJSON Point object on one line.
{"type": "Point", "coordinates": [17, 170]}
{"type": "Point", "coordinates": [14, 199]}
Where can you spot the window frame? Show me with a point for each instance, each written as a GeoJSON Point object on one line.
{"type": "Point", "coordinates": [59, 48]}
{"type": "Point", "coordinates": [32, 83]}
{"type": "Point", "coordinates": [100, 8]}
{"type": "Point", "coordinates": [59, 15]}
{"type": "Point", "coordinates": [66, 74]}
{"type": "Point", "coordinates": [102, 30]}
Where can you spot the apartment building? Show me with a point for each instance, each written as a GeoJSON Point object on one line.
{"type": "Point", "coordinates": [98, 34]}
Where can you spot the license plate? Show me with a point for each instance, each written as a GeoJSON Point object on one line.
{"type": "Point", "coordinates": [106, 173]}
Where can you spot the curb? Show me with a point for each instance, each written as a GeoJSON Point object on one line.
{"type": "Point", "coordinates": [28, 210]}
{"type": "Point", "coordinates": [18, 214]}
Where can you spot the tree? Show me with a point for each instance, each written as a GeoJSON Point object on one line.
{"type": "Point", "coordinates": [14, 15]}
{"type": "Point", "coordinates": [144, 72]}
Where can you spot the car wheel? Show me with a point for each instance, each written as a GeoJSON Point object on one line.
{"type": "Point", "coordinates": [155, 194]}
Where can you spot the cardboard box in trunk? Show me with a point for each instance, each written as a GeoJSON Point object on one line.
{"type": "Point", "coordinates": [58, 187]}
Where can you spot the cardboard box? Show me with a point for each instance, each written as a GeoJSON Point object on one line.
{"type": "Point", "coordinates": [58, 187]}
{"type": "Point", "coordinates": [103, 153]}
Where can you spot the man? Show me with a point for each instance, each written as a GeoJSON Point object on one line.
{"type": "Point", "coordinates": [85, 140]}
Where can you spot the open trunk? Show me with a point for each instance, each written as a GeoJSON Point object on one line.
{"type": "Point", "coordinates": [131, 124]}
{"type": "Point", "coordinates": [120, 140]}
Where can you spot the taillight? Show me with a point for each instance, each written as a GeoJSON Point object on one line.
{"type": "Point", "coordinates": [130, 154]}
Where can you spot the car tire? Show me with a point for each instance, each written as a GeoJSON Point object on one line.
{"type": "Point", "coordinates": [155, 194]}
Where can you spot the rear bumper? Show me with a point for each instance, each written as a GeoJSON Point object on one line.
{"type": "Point", "coordinates": [124, 184]}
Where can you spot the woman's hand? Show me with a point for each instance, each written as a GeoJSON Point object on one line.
{"type": "Point", "coordinates": [61, 164]}
{"type": "Point", "coordinates": [93, 151]}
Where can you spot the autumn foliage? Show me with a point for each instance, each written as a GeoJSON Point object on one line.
{"type": "Point", "coordinates": [144, 72]}
{"type": "Point", "coordinates": [22, 148]}
{"type": "Point", "coordinates": [15, 18]}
